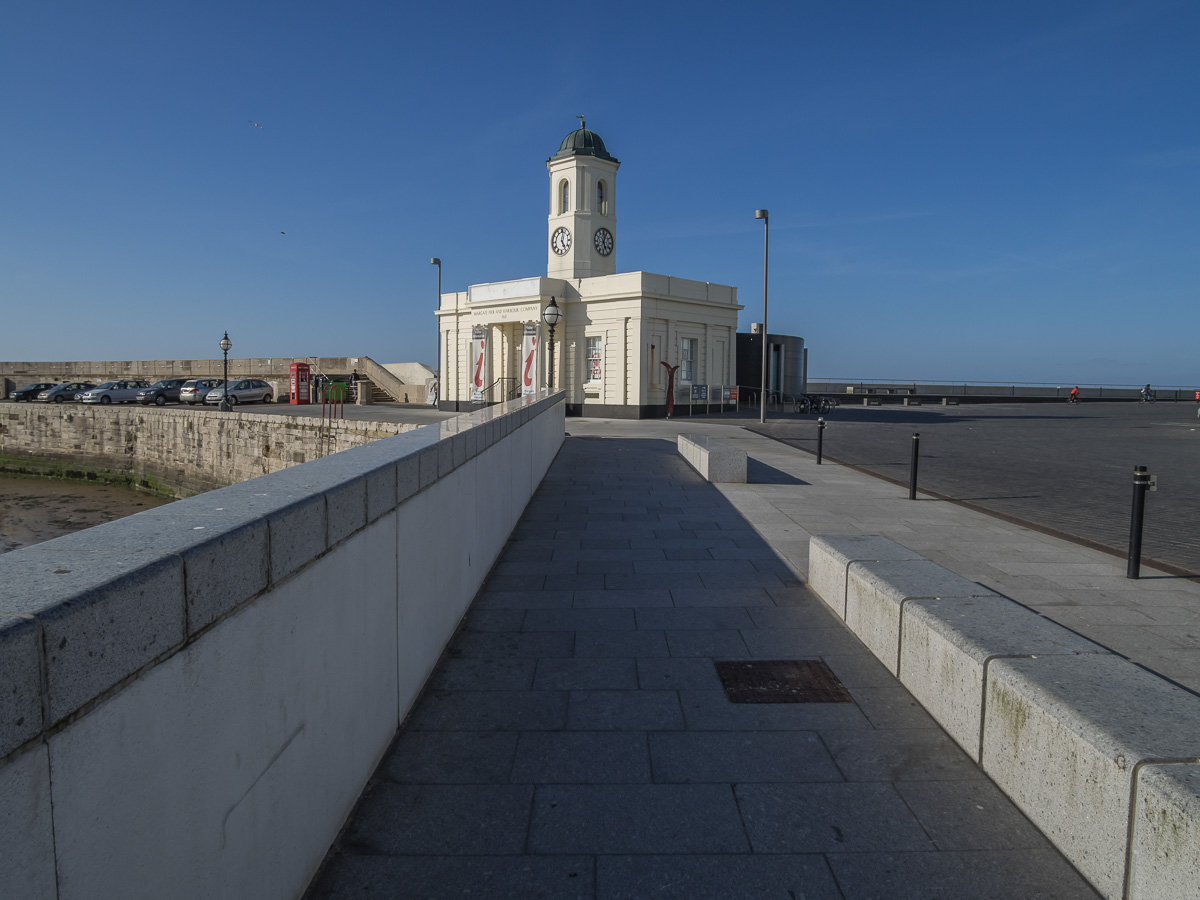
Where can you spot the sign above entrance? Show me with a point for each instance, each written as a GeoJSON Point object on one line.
{"type": "Point", "coordinates": [526, 312]}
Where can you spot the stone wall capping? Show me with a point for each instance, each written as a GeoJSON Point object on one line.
{"type": "Point", "coordinates": [295, 517]}
{"type": "Point", "coordinates": [877, 590]}
{"type": "Point", "coordinates": [830, 556]}
{"type": "Point", "coordinates": [102, 614]}
{"type": "Point", "coordinates": [224, 553]}
{"type": "Point", "coordinates": [947, 643]}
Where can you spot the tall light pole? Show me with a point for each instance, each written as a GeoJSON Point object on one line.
{"type": "Point", "coordinates": [438, 328]}
{"type": "Point", "coordinates": [550, 315]}
{"type": "Point", "coordinates": [225, 345]}
{"type": "Point", "coordinates": [762, 397]}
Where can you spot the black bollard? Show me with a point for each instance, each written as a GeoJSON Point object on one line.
{"type": "Point", "coordinates": [1141, 482]}
{"type": "Point", "coordinates": [912, 468]}
{"type": "Point", "coordinates": [820, 439]}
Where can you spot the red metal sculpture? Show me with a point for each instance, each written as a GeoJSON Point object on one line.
{"type": "Point", "coordinates": [671, 370]}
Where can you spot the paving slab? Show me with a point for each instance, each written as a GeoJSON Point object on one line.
{"type": "Point", "coordinates": [575, 740]}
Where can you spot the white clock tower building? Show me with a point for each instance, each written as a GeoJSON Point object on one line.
{"type": "Point", "coordinates": [582, 225]}
{"type": "Point", "coordinates": [622, 344]}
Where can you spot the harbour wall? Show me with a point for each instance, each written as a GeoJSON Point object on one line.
{"type": "Point", "coordinates": [175, 451]}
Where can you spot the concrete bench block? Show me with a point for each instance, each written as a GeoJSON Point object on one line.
{"type": "Point", "coordinates": [717, 461]}
{"type": "Point", "coordinates": [830, 555]}
{"type": "Point", "coordinates": [1165, 849]}
{"type": "Point", "coordinates": [103, 615]}
{"type": "Point", "coordinates": [876, 592]}
{"type": "Point", "coordinates": [1063, 736]}
{"type": "Point", "coordinates": [946, 645]}
{"type": "Point", "coordinates": [20, 681]}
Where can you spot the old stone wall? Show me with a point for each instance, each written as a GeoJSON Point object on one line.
{"type": "Point", "coordinates": [177, 451]}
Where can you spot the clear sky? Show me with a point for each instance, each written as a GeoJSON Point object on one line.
{"type": "Point", "coordinates": [960, 191]}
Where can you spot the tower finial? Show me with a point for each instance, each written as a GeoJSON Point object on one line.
{"type": "Point", "coordinates": [582, 123]}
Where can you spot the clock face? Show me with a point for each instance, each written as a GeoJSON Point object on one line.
{"type": "Point", "coordinates": [603, 241]}
{"type": "Point", "coordinates": [561, 241]}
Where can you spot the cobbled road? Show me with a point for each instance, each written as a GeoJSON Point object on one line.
{"type": "Point", "coordinates": [1061, 467]}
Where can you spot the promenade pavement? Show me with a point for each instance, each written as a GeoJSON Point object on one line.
{"type": "Point", "coordinates": [575, 739]}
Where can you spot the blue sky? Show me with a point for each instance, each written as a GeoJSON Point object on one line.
{"type": "Point", "coordinates": [958, 191]}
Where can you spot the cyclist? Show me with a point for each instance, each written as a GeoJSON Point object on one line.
{"type": "Point", "coordinates": [1147, 394]}
{"type": "Point", "coordinates": [1074, 394]}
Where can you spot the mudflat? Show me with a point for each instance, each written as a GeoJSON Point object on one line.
{"type": "Point", "coordinates": [33, 510]}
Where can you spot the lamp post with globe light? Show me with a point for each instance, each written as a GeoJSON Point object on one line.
{"type": "Point", "coordinates": [551, 316]}
{"type": "Point", "coordinates": [225, 345]}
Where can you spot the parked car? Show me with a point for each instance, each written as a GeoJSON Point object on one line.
{"type": "Point", "coordinates": [30, 391]}
{"type": "Point", "coordinates": [196, 389]}
{"type": "Point", "coordinates": [115, 391]}
{"type": "Point", "coordinates": [245, 390]}
{"type": "Point", "coordinates": [161, 391]}
{"type": "Point", "coordinates": [61, 393]}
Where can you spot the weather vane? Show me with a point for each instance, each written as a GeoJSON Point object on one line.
{"type": "Point", "coordinates": [582, 124]}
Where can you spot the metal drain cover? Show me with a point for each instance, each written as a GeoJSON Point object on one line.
{"type": "Point", "coordinates": [780, 681]}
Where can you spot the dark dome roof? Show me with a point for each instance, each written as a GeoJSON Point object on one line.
{"type": "Point", "coordinates": [582, 142]}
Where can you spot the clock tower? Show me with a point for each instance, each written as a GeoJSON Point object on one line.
{"type": "Point", "coordinates": [582, 225]}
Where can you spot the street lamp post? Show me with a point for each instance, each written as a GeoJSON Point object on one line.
{"type": "Point", "coordinates": [551, 315]}
{"type": "Point", "coordinates": [225, 345]}
{"type": "Point", "coordinates": [438, 328]}
{"type": "Point", "coordinates": [762, 397]}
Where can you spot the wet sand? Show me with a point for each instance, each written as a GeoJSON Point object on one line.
{"type": "Point", "coordinates": [33, 510]}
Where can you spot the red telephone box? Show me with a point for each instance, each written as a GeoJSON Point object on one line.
{"type": "Point", "coordinates": [299, 383]}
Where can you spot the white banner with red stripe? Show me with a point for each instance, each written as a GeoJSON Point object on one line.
{"type": "Point", "coordinates": [529, 360]}
{"type": "Point", "coordinates": [480, 372]}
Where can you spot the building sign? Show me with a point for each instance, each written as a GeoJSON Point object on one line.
{"type": "Point", "coordinates": [529, 360]}
{"type": "Point", "coordinates": [732, 395]}
{"type": "Point", "coordinates": [479, 367]}
{"type": "Point", "coordinates": [699, 392]}
{"type": "Point", "coordinates": [522, 312]}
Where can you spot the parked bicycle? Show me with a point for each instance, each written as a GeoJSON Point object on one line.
{"type": "Point", "coordinates": [812, 403]}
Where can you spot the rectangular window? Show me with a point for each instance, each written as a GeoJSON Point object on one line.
{"type": "Point", "coordinates": [687, 360]}
{"type": "Point", "coordinates": [593, 359]}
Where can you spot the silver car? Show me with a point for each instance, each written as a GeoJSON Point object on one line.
{"type": "Point", "coordinates": [65, 392]}
{"type": "Point", "coordinates": [244, 390]}
{"type": "Point", "coordinates": [114, 392]}
{"type": "Point", "coordinates": [196, 389]}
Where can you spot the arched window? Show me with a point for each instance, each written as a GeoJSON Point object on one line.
{"type": "Point", "coordinates": [601, 199]}
{"type": "Point", "coordinates": [564, 203]}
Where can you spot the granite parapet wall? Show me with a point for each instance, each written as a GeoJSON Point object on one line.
{"type": "Point", "coordinates": [181, 451]}
{"type": "Point", "coordinates": [194, 697]}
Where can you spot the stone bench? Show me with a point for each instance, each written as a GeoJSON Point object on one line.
{"type": "Point", "coordinates": [716, 461]}
{"type": "Point", "coordinates": [1103, 756]}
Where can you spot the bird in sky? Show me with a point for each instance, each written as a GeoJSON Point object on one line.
{"type": "Point", "coordinates": [283, 232]}
{"type": "Point", "coordinates": [255, 124]}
